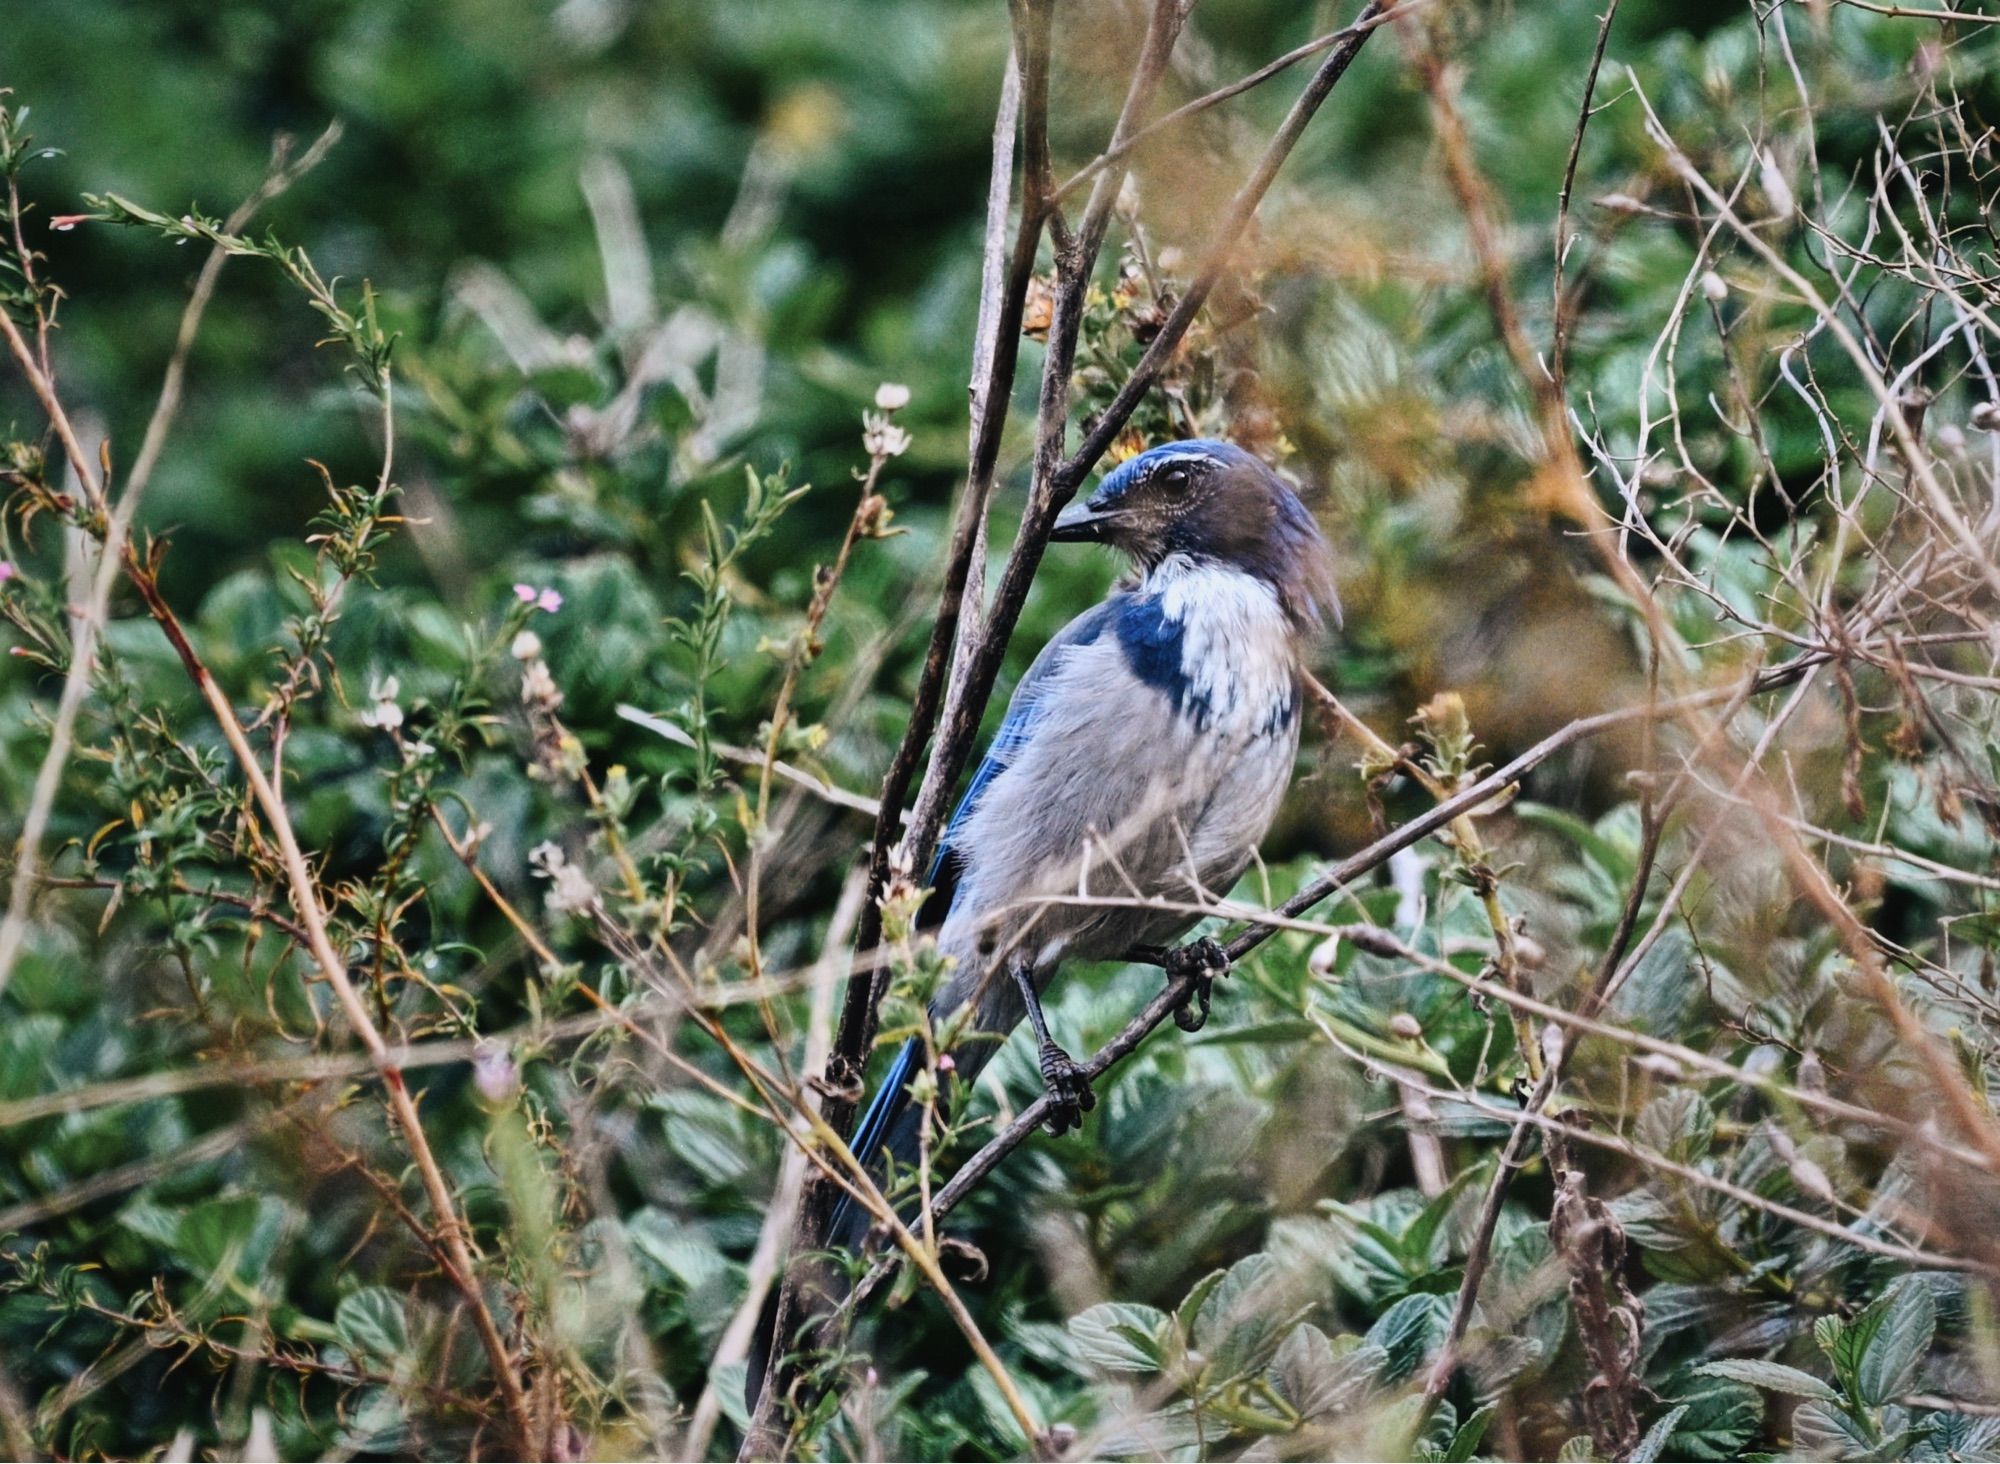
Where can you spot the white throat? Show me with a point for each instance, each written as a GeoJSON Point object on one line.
{"type": "Point", "coordinates": [1238, 656]}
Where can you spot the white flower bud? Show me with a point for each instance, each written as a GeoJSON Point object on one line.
{"type": "Point", "coordinates": [1714, 286]}
{"type": "Point", "coordinates": [1811, 1179]}
{"type": "Point", "coordinates": [527, 646]}
{"type": "Point", "coordinates": [1777, 189]}
{"type": "Point", "coordinates": [892, 396]}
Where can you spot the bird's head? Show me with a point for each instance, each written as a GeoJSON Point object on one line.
{"type": "Point", "coordinates": [1210, 500]}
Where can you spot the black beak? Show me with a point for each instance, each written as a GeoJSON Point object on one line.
{"type": "Point", "coordinates": [1082, 524]}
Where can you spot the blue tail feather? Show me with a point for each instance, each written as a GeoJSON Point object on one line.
{"type": "Point", "coordinates": [879, 1131]}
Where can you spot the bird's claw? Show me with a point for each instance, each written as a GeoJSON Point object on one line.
{"type": "Point", "coordinates": [1069, 1087]}
{"type": "Point", "coordinates": [1204, 960]}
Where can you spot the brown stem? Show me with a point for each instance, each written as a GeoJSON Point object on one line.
{"type": "Point", "coordinates": [117, 521]}
{"type": "Point", "coordinates": [463, 1270]}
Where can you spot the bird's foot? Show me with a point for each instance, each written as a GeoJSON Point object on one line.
{"type": "Point", "coordinates": [1069, 1085]}
{"type": "Point", "coordinates": [1204, 960]}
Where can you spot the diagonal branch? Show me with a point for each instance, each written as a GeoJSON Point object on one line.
{"type": "Point", "coordinates": [118, 528]}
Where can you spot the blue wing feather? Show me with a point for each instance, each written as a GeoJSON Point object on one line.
{"type": "Point", "coordinates": [1016, 730]}
{"type": "Point", "coordinates": [886, 1125]}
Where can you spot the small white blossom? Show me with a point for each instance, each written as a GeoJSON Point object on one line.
{"type": "Point", "coordinates": [539, 689]}
{"type": "Point", "coordinates": [383, 711]}
{"type": "Point", "coordinates": [892, 396]}
{"type": "Point", "coordinates": [571, 892]}
{"type": "Point", "coordinates": [882, 438]}
{"type": "Point", "coordinates": [1714, 286]}
{"type": "Point", "coordinates": [527, 646]}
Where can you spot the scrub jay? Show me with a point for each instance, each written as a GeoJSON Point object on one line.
{"type": "Point", "coordinates": [1140, 763]}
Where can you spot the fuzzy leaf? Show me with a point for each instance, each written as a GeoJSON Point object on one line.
{"type": "Point", "coordinates": [1120, 1336]}
{"type": "Point", "coordinates": [1647, 1450]}
{"type": "Point", "coordinates": [1773, 1377]}
{"type": "Point", "coordinates": [372, 1324]}
{"type": "Point", "coordinates": [1896, 1351]}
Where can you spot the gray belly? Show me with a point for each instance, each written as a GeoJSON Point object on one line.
{"type": "Point", "coordinates": [1065, 852]}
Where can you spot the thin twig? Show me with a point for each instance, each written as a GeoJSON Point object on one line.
{"type": "Point", "coordinates": [1235, 88]}
{"type": "Point", "coordinates": [118, 528]}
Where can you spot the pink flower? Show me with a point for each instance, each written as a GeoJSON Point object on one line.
{"type": "Point", "coordinates": [63, 223]}
{"type": "Point", "coordinates": [549, 600]}
{"type": "Point", "coordinates": [7, 570]}
{"type": "Point", "coordinates": [945, 1064]}
{"type": "Point", "coordinates": [525, 594]}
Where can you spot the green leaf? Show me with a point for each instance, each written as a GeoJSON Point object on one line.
{"type": "Point", "coordinates": [1614, 862]}
{"type": "Point", "coordinates": [237, 1233]}
{"type": "Point", "coordinates": [373, 1323]}
{"type": "Point", "coordinates": [1465, 1442]}
{"type": "Point", "coordinates": [1822, 1430]}
{"type": "Point", "coordinates": [1197, 1297]}
{"type": "Point", "coordinates": [1679, 1124]}
{"type": "Point", "coordinates": [1722, 1417]}
{"type": "Point", "coordinates": [1647, 1450]}
{"type": "Point", "coordinates": [1120, 1336]}
{"type": "Point", "coordinates": [1420, 1247]}
{"type": "Point", "coordinates": [1896, 1350]}
{"type": "Point", "coordinates": [1317, 1379]}
{"type": "Point", "coordinates": [1408, 1331]}
{"type": "Point", "coordinates": [1773, 1377]}
{"type": "Point", "coordinates": [1240, 1322]}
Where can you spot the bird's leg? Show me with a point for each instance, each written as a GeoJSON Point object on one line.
{"type": "Point", "coordinates": [1204, 960]}
{"type": "Point", "coordinates": [1068, 1083]}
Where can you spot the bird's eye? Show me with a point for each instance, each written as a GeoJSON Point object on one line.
{"type": "Point", "coordinates": [1174, 480]}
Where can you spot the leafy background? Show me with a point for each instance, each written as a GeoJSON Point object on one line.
{"type": "Point", "coordinates": [800, 189]}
